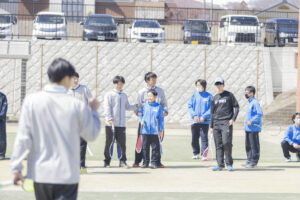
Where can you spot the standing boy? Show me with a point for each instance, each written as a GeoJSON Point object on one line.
{"type": "Point", "coordinates": [50, 127]}
{"type": "Point", "coordinates": [224, 111]}
{"type": "Point", "coordinates": [199, 108]}
{"type": "Point", "coordinates": [253, 124]}
{"type": "Point", "coordinates": [81, 92]}
{"type": "Point", "coordinates": [3, 110]}
{"type": "Point", "coordinates": [150, 79]}
{"type": "Point", "coordinates": [152, 121]}
{"type": "Point", "coordinates": [115, 106]}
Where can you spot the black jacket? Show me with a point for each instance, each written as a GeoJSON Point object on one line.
{"type": "Point", "coordinates": [224, 107]}
{"type": "Point", "coordinates": [3, 107]}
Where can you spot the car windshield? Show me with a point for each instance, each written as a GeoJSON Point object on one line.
{"type": "Point", "coordinates": [287, 25]}
{"type": "Point", "coordinates": [4, 19]}
{"type": "Point", "coordinates": [197, 26]}
{"type": "Point", "coordinates": [100, 21]}
{"type": "Point", "coordinates": [50, 19]}
{"type": "Point", "coordinates": [244, 21]}
{"type": "Point", "coordinates": [146, 24]}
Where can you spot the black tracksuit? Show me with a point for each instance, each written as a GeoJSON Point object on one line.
{"type": "Point", "coordinates": [3, 110]}
{"type": "Point", "coordinates": [224, 108]}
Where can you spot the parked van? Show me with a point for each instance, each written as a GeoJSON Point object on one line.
{"type": "Point", "coordinates": [281, 32]}
{"type": "Point", "coordinates": [8, 27]}
{"type": "Point", "coordinates": [50, 25]}
{"type": "Point", "coordinates": [196, 31]}
{"type": "Point", "coordinates": [239, 29]}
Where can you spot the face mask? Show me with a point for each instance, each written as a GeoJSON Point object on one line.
{"type": "Point", "coordinates": [199, 89]}
{"type": "Point", "coordinates": [297, 121]}
{"type": "Point", "coordinates": [247, 96]}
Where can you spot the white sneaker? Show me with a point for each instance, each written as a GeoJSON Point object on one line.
{"type": "Point", "coordinates": [196, 157]}
{"type": "Point", "coordinates": [204, 159]}
{"type": "Point", "coordinates": [288, 160]}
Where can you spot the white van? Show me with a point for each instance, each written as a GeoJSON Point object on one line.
{"type": "Point", "coordinates": [50, 25]}
{"type": "Point", "coordinates": [8, 27]}
{"type": "Point", "coordinates": [239, 29]}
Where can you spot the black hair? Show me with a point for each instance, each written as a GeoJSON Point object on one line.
{"type": "Point", "coordinates": [251, 89]}
{"type": "Point", "coordinates": [149, 75]}
{"type": "Point", "coordinates": [118, 79]}
{"type": "Point", "coordinates": [294, 116]}
{"type": "Point", "coordinates": [202, 83]}
{"type": "Point", "coordinates": [59, 69]}
{"type": "Point", "coordinates": [76, 75]}
{"type": "Point", "coordinates": [153, 92]}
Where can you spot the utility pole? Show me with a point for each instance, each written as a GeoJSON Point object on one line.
{"type": "Point", "coordinates": [298, 83]}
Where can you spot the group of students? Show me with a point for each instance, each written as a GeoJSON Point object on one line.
{"type": "Point", "coordinates": [221, 111]}
{"type": "Point", "coordinates": [54, 126]}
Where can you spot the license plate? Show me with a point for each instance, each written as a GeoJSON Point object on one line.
{"type": "Point", "coordinates": [295, 39]}
{"type": "Point", "coordinates": [149, 41]}
{"type": "Point", "coordinates": [48, 38]}
{"type": "Point", "coordinates": [101, 38]}
{"type": "Point", "coordinates": [194, 42]}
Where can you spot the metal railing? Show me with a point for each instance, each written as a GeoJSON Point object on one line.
{"type": "Point", "coordinates": [171, 19]}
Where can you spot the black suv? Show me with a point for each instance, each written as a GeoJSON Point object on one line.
{"type": "Point", "coordinates": [99, 27]}
{"type": "Point", "coordinates": [196, 31]}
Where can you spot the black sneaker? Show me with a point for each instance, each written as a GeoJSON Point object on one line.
{"type": "Point", "coordinates": [123, 164]}
{"type": "Point", "coordinates": [145, 166]}
{"type": "Point", "coordinates": [106, 165]}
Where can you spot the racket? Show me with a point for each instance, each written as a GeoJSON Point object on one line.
{"type": "Point", "coordinates": [208, 152]}
{"type": "Point", "coordinates": [27, 186]}
{"type": "Point", "coordinates": [111, 148]}
{"type": "Point", "coordinates": [139, 144]}
{"type": "Point", "coordinates": [89, 151]}
{"type": "Point", "coordinates": [272, 128]}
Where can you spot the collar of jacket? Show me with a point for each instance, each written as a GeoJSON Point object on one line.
{"type": "Point", "coordinates": [250, 100]}
{"type": "Point", "coordinates": [148, 88]}
{"type": "Point", "coordinates": [117, 91]}
{"type": "Point", "coordinates": [152, 104]}
{"type": "Point", "coordinates": [55, 88]}
{"type": "Point", "coordinates": [75, 88]}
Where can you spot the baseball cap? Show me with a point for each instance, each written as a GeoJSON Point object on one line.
{"type": "Point", "coordinates": [219, 80]}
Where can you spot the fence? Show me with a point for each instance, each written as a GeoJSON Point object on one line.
{"type": "Point", "coordinates": [177, 67]}
{"type": "Point", "coordinates": [170, 18]}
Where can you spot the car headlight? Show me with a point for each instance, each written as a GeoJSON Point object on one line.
{"type": "Point", "coordinates": [232, 33]}
{"type": "Point", "coordinates": [135, 33]}
{"type": "Point", "coordinates": [114, 31]}
{"type": "Point", "coordinates": [283, 34]}
{"type": "Point", "coordinates": [88, 30]}
{"type": "Point", "coordinates": [187, 34]}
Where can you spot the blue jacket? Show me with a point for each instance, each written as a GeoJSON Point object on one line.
{"type": "Point", "coordinates": [152, 118]}
{"type": "Point", "coordinates": [292, 135]}
{"type": "Point", "coordinates": [199, 105]}
{"type": "Point", "coordinates": [254, 114]}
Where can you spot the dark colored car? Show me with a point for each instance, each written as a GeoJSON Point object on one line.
{"type": "Point", "coordinates": [100, 27]}
{"type": "Point", "coordinates": [281, 32]}
{"type": "Point", "coordinates": [196, 31]}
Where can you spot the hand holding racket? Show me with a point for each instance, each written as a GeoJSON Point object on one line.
{"type": "Point", "coordinates": [27, 184]}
